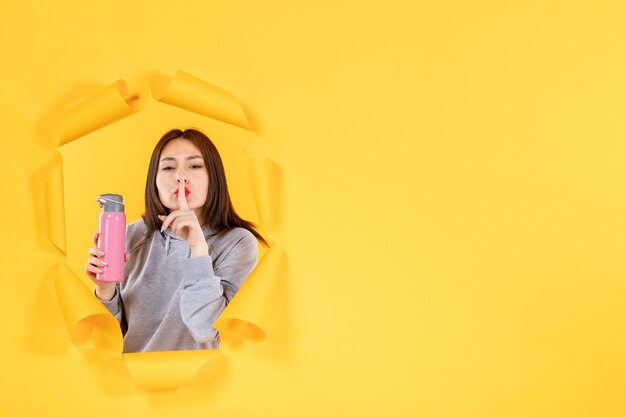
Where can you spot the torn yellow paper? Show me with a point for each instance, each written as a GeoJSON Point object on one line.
{"type": "Point", "coordinates": [252, 303]}
{"type": "Point", "coordinates": [107, 106]}
{"type": "Point", "coordinates": [55, 212]}
{"type": "Point", "coordinates": [158, 370]}
{"type": "Point", "coordinates": [198, 96]}
{"type": "Point", "coordinates": [259, 172]}
{"type": "Point", "coordinates": [89, 323]}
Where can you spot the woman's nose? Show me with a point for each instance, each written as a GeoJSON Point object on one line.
{"type": "Point", "coordinates": [181, 178]}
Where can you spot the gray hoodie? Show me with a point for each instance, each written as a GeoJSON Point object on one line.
{"type": "Point", "coordinates": [169, 301]}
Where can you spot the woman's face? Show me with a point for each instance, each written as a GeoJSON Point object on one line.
{"type": "Point", "coordinates": [181, 161]}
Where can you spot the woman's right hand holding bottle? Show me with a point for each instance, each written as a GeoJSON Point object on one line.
{"type": "Point", "coordinates": [104, 290]}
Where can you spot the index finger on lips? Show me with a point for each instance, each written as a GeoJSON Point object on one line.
{"type": "Point", "coordinates": [182, 201]}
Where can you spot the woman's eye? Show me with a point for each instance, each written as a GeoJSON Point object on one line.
{"type": "Point", "coordinates": [167, 168]}
{"type": "Point", "coordinates": [197, 166]}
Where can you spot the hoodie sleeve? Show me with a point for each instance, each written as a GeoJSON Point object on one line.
{"type": "Point", "coordinates": [134, 231]}
{"type": "Point", "coordinates": [206, 288]}
{"type": "Point", "coordinates": [114, 305]}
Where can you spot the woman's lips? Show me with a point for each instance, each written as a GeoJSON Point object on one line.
{"type": "Point", "coordinates": [186, 192]}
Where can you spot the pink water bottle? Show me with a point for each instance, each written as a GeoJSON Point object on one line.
{"type": "Point", "coordinates": [112, 236]}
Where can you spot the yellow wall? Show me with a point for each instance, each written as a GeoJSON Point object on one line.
{"type": "Point", "coordinates": [451, 202]}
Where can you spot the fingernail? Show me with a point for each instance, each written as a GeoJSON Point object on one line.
{"type": "Point", "coordinates": [100, 253]}
{"type": "Point", "coordinates": [100, 271]}
{"type": "Point", "coordinates": [105, 263]}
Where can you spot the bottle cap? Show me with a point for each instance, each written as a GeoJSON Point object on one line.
{"type": "Point", "coordinates": [111, 202]}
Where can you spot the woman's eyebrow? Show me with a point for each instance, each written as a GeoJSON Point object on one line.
{"type": "Point", "coordinates": [169, 158]}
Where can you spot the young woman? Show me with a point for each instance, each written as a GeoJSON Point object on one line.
{"type": "Point", "coordinates": [188, 255]}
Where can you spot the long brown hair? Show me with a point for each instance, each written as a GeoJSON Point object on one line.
{"type": "Point", "coordinates": [218, 209]}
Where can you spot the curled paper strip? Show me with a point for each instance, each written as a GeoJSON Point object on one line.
{"type": "Point", "coordinates": [248, 312]}
{"type": "Point", "coordinates": [88, 322]}
{"type": "Point", "coordinates": [198, 96]}
{"type": "Point", "coordinates": [55, 213]}
{"type": "Point", "coordinates": [158, 370]}
{"type": "Point", "coordinates": [259, 169]}
{"type": "Point", "coordinates": [107, 106]}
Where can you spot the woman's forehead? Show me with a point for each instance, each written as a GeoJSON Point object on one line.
{"type": "Point", "coordinates": [180, 148]}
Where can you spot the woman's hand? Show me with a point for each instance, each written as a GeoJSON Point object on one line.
{"type": "Point", "coordinates": [104, 290]}
{"type": "Point", "coordinates": [184, 223]}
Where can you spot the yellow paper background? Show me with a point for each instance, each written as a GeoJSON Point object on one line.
{"type": "Point", "coordinates": [451, 202]}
